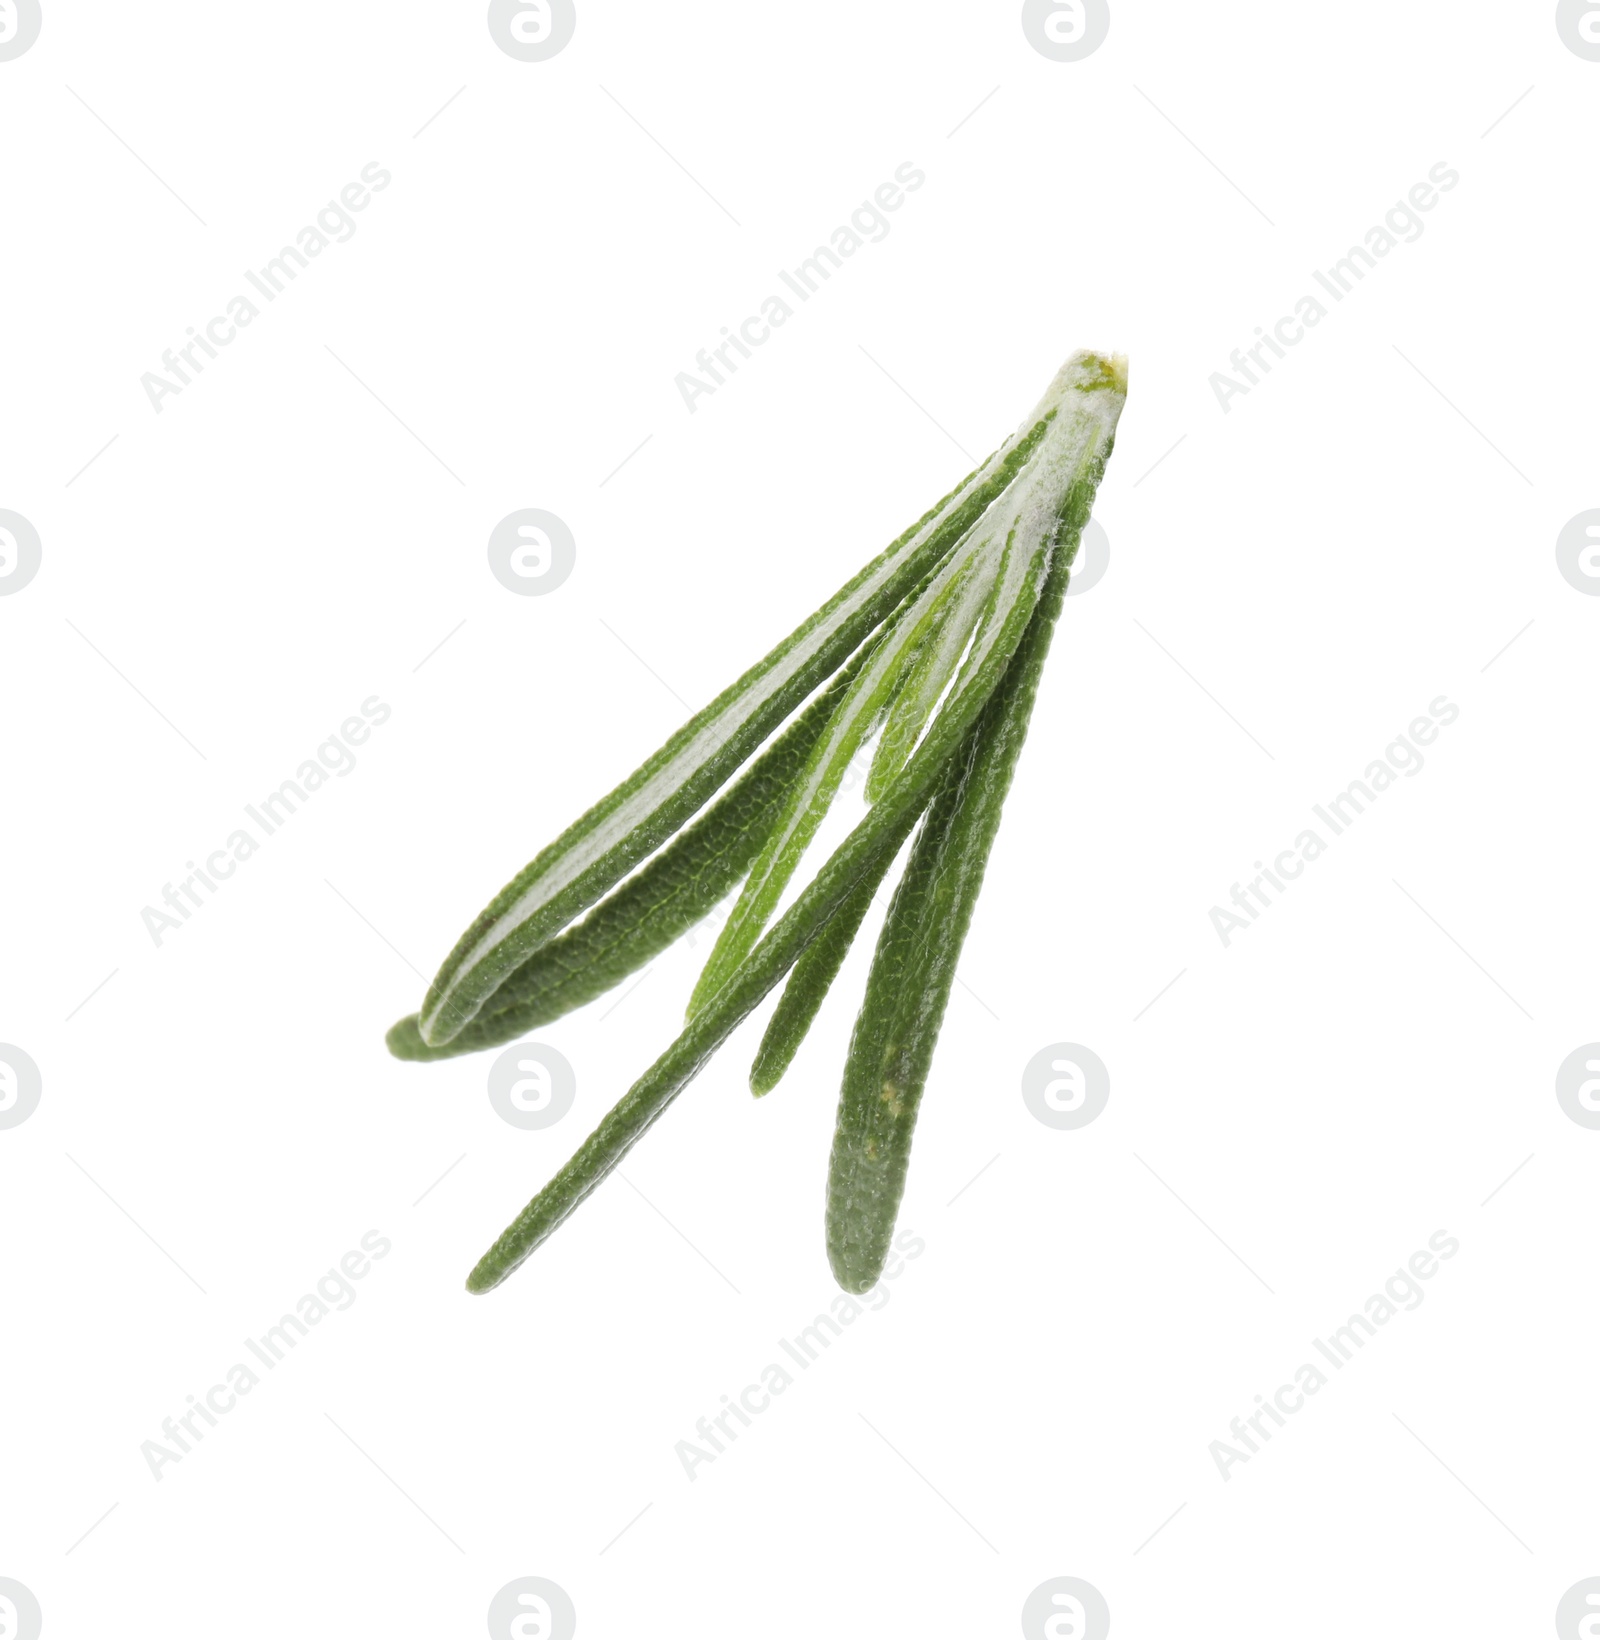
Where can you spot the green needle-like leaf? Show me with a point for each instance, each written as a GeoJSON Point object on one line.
{"type": "Point", "coordinates": [914, 966]}
{"type": "Point", "coordinates": [652, 908]}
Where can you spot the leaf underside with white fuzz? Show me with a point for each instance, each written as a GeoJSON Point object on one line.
{"type": "Point", "coordinates": [939, 643]}
{"type": "Point", "coordinates": [818, 784]}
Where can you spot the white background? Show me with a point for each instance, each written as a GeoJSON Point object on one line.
{"type": "Point", "coordinates": [1288, 1123]}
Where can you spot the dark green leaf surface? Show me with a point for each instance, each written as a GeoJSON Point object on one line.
{"type": "Point", "coordinates": [914, 966]}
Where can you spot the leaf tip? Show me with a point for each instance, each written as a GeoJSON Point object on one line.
{"type": "Point", "coordinates": [404, 1039]}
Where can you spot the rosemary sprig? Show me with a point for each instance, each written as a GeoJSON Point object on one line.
{"type": "Point", "coordinates": [945, 636]}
